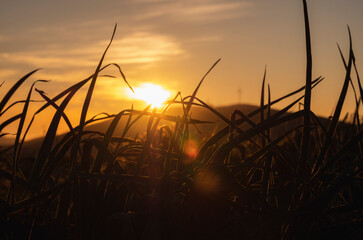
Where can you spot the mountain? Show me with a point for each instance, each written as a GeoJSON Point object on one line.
{"type": "Point", "coordinates": [197, 131]}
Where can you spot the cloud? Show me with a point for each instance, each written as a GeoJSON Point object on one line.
{"type": "Point", "coordinates": [207, 9]}
{"type": "Point", "coordinates": [6, 74]}
{"type": "Point", "coordinates": [144, 47]}
{"type": "Point", "coordinates": [138, 47]}
{"type": "Point", "coordinates": [198, 10]}
{"type": "Point", "coordinates": [3, 38]}
{"type": "Point", "coordinates": [40, 59]}
{"type": "Point", "coordinates": [205, 39]}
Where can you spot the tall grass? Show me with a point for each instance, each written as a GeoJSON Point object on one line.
{"type": "Point", "coordinates": [241, 182]}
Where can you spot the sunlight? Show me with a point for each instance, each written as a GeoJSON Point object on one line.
{"type": "Point", "coordinates": [151, 93]}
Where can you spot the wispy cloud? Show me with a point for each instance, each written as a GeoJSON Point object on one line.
{"type": "Point", "coordinates": [3, 38]}
{"type": "Point", "coordinates": [42, 59]}
{"type": "Point", "coordinates": [7, 73]}
{"type": "Point", "coordinates": [143, 47]}
{"type": "Point", "coordinates": [139, 47]}
{"type": "Point", "coordinates": [198, 10]}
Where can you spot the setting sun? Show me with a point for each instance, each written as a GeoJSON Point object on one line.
{"type": "Point", "coordinates": [151, 93]}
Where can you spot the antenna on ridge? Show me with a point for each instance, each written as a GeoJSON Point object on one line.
{"type": "Point", "coordinates": [239, 92]}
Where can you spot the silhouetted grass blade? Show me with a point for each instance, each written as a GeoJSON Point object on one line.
{"type": "Point", "coordinates": [49, 139]}
{"type": "Point", "coordinates": [307, 99]}
{"type": "Point", "coordinates": [9, 121]}
{"type": "Point", "coordinates": [53, 104]}
{"type": "Point", "coordinates": [16, 151]}
{"type": "Point", "coordinates": [338, 109]}
{"type": "Point", "coordinates": [13, 89]}
{"type": "Point", "coordinates": [189, 104]}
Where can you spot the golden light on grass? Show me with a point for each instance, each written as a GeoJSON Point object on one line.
{"type": "Point", "coordinates": [151, 93]}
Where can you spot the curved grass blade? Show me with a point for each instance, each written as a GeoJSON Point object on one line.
{"type": "Point", "coordinates": [357, 101]}
{"type": "Point", "coordinates": [87, 101]}
{"type": "Point", "coordinates": [307, 99]}
{"type": "Point", "coordinates": [106, 141]}
{"type": "Point", "coordinates": [249, 121]}
{"type": "Point", "coordinates": [167, 117]}
{"type": "Point", "coordinates": [15, 103]}
{"type": "Point", "coordinates": [338, 109]}
{"type": "Point", "coordinates": [147, 144]}
{"type": "Point", "coordinates": [28, 203]}
{"type": "Point", "coordinates": [55, 157]}
{"type": "Point", "coordinates": [16, 153]}
{"type": "Point", "coordinates": [68, 90]}
{"type": "Point", "coordinates": [15, 87]}
{"type": "Point", "coordinates": [315, 83]}
{"type": "Point", "coordinates": [225, 131]}
{"type": "Point", "coordinates": [123, 76]}
{"type": "Point", "coordinates": [5, 134]}
{"type": "Point", "coordinates": [189, 104]}
{"type": "Point", "coordinates": [267, 164]}
{"type": "Point", "coordinates": [53, 104]}
{"type": "Point", "coordinates": [126, 127]}
{"type": "Point", "coordinates": [9, 121]}
{"type": "Point", "coordinates": [60, 95]}
{"type": "Point", "coordinates": [255, 131]}
{"type": "Point", "coordinates": [346, 148]}
{"type": "Point", "coordinates": [92, 85]}
{"type": "Point", "coordinates": [222, 133]}
{"type": "Point", "coordinates": [350, 79]}
{"type": "Point", "coordinates": [358, 79]}
{"type": "Point", "coordinates": [49, 140]}
{"type": "Point", "coordinates": [268, 133]}
{"type": "Point", "coordinates": [262, 104]}
{"type": "Point", "coordinates": [268, 147]}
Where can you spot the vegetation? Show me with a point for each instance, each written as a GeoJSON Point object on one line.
{"type": "Point", "coordinates": [241, 182]}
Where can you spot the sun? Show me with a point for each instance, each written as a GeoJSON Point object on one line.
{"type": "Point", "coordinates": [151, 93]}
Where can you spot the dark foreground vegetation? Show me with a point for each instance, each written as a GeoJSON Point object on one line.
{"type": "Point", "coordinates": [240, 183]}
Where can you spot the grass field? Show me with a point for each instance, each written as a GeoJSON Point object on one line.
{"type": "Point", "coordinates": [240, 182]}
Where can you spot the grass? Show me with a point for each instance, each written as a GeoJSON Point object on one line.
{"type": "Point", "coordinates": [241, 182]}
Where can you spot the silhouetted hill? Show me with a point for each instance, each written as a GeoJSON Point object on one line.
{"type": "Point", "coordinates": [200, 131]}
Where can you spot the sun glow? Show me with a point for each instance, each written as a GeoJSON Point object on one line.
{"type": "Point", "coordinates": [151, 93]}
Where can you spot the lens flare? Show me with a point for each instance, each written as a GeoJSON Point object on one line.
{"type": "Point", "coordinates": [190, 150]}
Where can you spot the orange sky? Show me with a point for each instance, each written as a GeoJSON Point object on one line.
{"type": "Point", "coordinates": [173, 43]}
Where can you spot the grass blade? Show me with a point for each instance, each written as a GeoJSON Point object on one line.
{"type": "Point", "coordinates": [189, 104]}
{"type": "Point", "coordinates": [16, 153]}
{"type": "Point", "coordinates": [13, 89]}
{"type": "Point", "coordinates": [262, 104]}
{"type": "Point", "coordinates": [88, 98]}
{"type": "Point", "coordinates": [9, 121]}
{"type": "Point", "coordinates": [338, 109]}
{"type": "Point", "coordinates": [49, 140]}
{"type": "Point", "coordinates": [15, 103]}
{"type": "Point", "coordinates": [358, 79]}
{"type": "Point", "coordinates": [53, 104]}
{"type": "Point", "coordinates": [307, 98]}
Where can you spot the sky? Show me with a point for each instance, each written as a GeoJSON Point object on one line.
{"type": "Point", "coordinates": [174, 43]}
